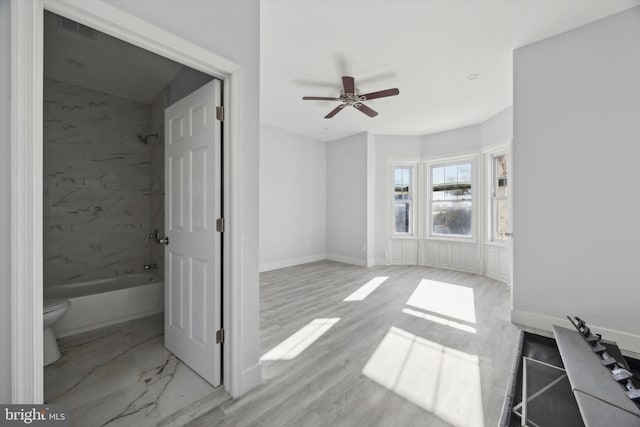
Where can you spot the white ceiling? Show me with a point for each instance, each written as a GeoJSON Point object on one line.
{"type": "Point", "coordinates": [425, 48]}
{"type": "Point", "coordinates": [104, 63]}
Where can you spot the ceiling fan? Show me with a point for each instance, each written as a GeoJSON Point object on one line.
{"type": "Point", "coordinates": [350, 96]}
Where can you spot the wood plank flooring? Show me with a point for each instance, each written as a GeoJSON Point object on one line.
{"type": "Point", "coordinates": [428, 347]}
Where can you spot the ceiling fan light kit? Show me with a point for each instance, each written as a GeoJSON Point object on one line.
{"type": "Point", "coordinates": [351, 97]}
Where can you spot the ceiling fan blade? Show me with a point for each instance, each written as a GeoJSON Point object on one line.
{"type": "Point", "coordinates": [319, 98]}
{"type": "Point", "coordinates": [366, 110]}
{"type": "Point", "coordinates": [381, 94]}
{"type": "Point", "coordinates": [348, 84]}
{"type": "Point", "coordinates": [335, 111]}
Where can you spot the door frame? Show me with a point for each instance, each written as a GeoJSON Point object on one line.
{"type": "Point", "coordinates": [27, 50]}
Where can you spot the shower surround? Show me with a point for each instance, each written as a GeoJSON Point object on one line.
{"type": "Point", "coordinates": [97, 184]}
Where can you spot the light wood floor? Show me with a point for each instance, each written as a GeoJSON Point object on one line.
{"type": "Point", "coordinates": [385, 362]}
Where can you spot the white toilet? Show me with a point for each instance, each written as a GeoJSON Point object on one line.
{"type": "Point", "coordinates": [54, 309]}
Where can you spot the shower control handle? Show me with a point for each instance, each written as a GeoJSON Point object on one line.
{"type": "Point", "coordinates": [164, 240]}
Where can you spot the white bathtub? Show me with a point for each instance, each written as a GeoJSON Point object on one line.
{"type": "Point", "coordinates": [99, 303]}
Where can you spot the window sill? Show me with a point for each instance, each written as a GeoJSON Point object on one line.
{"type": "Point", "coordinates": [469, 240]}
{"type": "Point", "coordinates": [403, 237]}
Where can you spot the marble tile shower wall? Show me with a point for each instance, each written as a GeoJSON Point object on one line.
{"type": "Point", "coordinates": [97, 184]}
{"type": "Point", "coordinates": [157, 176]}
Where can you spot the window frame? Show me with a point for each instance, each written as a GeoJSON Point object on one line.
{"type": "Point", "coordinates": [428, 197]}
{"type": "Point", "coordinates": [492, 221]}
{"type": "Point", "coordinates": [413, 199]}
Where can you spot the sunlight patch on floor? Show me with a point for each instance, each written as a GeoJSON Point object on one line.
{"type": "Point", "coordinates": [300, 341]}
{"type": "Point", "coordinates": [445, 299]}
{"type": "Point", "coordinates": [440, 320]}
{"type": "Point", "coordinates": [440, 379]}
{"type": "Point", "coordinates": [366, 289]}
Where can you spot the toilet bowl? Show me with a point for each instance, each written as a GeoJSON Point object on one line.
{"type": "Point", "coordinates": [54, 309]}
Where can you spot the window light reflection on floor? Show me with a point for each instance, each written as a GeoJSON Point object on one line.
{"type": "Point", "coordinates": [440, 379]}
{"type": "Point", "coordinates": [298, 342]}
{"type": "Point", "coordinates": [439, 320]}
{"type": "Point", "coordinates": [445, 299]}
{"type": "Point", "coordinates": [366, 289]}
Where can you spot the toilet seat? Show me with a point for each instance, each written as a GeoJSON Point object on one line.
{"type": "Point", "coordinates": [52, 304]}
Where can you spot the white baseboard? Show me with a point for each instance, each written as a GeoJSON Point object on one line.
{"type": "Point", "coordinates": [625, 341]}
{"type": "Point", "coordinates": [379, 261]}
{"type": "Point", "coordinates": [291, 262]}
{"type": "Point", "coordinates": [347, 260]}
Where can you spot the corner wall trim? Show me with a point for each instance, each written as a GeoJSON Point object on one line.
{"type": "Point", "coordinates": [625, 340]}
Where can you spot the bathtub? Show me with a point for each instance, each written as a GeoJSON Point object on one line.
{"type": "Point", "coordinates": [99, 303]}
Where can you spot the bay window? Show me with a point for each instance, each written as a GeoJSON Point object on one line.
{"type": "Point", "coordinates": [451, 198]}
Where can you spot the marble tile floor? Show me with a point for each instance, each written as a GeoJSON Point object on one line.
{"type": "Point", "coordinates": [123, 376]}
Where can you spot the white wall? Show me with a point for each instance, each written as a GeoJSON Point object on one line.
{"type": "Point", "coordinates": [5, 199]}
{"type": "Point", "coordinates": [457, 141]}
{"type": "Point", "coordinates": [497, 129]}
{"type": "Point", "coordinates": [293, 198]}
{"type": "Point", "coordinates": [576, 153]}
{"type": "Point", "coordinates": [371, 199]}
{"type": "Point", "coordinates": [347, 199]}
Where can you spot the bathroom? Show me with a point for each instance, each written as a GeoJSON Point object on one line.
{"type": "Point", "coordinates": [103, 206]}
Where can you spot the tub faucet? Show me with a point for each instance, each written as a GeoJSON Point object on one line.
{"type": "Point", "coordinates": [151, 266]}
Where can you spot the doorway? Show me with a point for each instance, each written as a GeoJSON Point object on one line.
{"type": "Point", "coordinates": [27, 378]}
{"type": "Point", "coordinates": [116, 118]}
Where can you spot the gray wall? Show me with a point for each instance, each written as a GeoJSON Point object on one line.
{"type": "Point", "coordinates": [96, 184]}
{"type": "Point", "coordinates": [186, 81]}
{"type": "Point", "coordinates": [293, 198]}
{"type": "Point", "coordinates": [347, 191]}
{"type": "Point", "coordinates": [575, 152]}
{"type": "Point", "coordinates": [5, 201]}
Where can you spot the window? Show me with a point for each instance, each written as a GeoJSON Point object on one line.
{"type": "Point", "coordinates": [451, 200]}
{"type": "Point", "coordinates": [403, 199]}
{"type": "Point", "coordinates": [500, 197]}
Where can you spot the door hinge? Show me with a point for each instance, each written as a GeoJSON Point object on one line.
{"type": "Point", "coordinates": [220, 225]}
{"type": "Point", "coordinates": [220, 113]}
{"type": "Point", "coordinates": [220, 336]}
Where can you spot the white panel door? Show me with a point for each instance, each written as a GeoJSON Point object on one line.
{"type": "Point", "coordinates": [192, 205]}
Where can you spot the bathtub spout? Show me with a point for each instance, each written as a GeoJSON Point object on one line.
{"type": "Point", "coordinates": [151, 266]}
